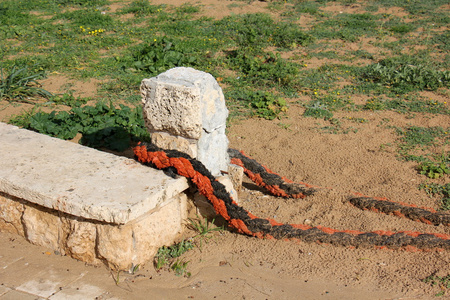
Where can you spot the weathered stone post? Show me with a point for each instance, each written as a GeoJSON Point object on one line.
{"type": "Point", "coordinates": [184, 110]}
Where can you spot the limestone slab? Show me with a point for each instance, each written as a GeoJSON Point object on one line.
{"type": "Point", "coordinates": [48, 282]}
{"type": "Point", "coordinates": [4, 290]}
{"type": "Point", "coordinates": [79, 292]}
{"type": "Point", "coordinates": [78, 180]}
{"type": "Point", "coordinates": [16, 295]}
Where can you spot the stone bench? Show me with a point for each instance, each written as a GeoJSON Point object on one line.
{"type": "Point", "coordinates": [91, 205]}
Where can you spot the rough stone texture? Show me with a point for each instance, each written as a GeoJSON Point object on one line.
{"type": "Point", "coordinates": [45, 229]}
{"type": "Point", "coordinates": [81, 241]}
{"type": "Point", "coordinates": [119, 246]}
{"type": "Point", "coordinates": [170, 142]}
{"type": "Point", "coordinates": [212, 151]}
{"type": "Point", "coordinates": [190, 104]}
{"type": "Point", "coordinates": [157, 225]}
{"type": "Point", "coordinates": [236, 174]}
{"type": "Point", "coordinates": [226, 181]}
{"type": "Point", "coordinates": [184, 102]}
{"type": "Point", "coordinates": [84, 203]}
{"type": "Point", "coordinates": [10, 214]}
{"type": "Point", "coordinates": [116, 245]}
{"type": "Point", "coordinates": [78, 180]}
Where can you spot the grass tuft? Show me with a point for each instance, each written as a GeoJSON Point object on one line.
{"type": "Point", "coordinates": [19, 84]}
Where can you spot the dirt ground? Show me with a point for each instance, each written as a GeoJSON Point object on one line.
{"type": "Point", "coordinates": [233, 266]}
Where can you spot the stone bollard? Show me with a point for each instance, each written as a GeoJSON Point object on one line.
{"type": "Point", "coordinates": [184, 110]}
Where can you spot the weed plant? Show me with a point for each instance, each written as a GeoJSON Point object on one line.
{"type": "Point", "coordinates": [166, 256]}
{"type": "Point", "coordinates": [442, 40]}
{"type": "Point", "coordinates": [414, 136]}
{"type": "Point", "coordinates": [406, 105]}
{"type": "Point", "coordinates": [67, 99]}
{"type": "Point", "coordinates": [160, 55]}
{"type": "Point", "coordinates": [442, 190]}
{"type": "Point", "coordinates": [203, 228]}
{"type": "Point", "coordinates": [263, 104]}
{"type": "Point", "coordinates": [20, 83]}
{"type": "Point", "coordinates": [101, 125]}
{"type": "Point", "coordinates": [442, 281]}
{"type": "Point", "coordinates": [318, 110]}
{"type": "Point", "coordinates": [263, 68]}
{"type": "Point", "coordinates": [434, 170]}
{"type": "Point", "coordinates": [404, 77]}
{"type": "Point", "coordinates": [141, 8]}
{"type": "Point", "coordinates": [257, 31]}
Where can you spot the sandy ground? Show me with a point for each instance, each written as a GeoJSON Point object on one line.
{"type": "Point", "coordinates": [232, 266]}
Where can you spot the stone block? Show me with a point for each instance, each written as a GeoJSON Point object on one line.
{"type": "Point", "coordinates": [115, 245]}
{"type": "Point", "coordinates": [81, 241]}
{"type": "Point", "coordinates": [10, 216]}
{"type": "Point", "coordinates": [44, 227]}
{"type": "Point", "coordinates": [125, 246]}
{"type": "Point", "coordinates": [160, 228]}
{"type": "Point", "coordinates": [187, 103]}
{"type": "Point", "coordinates": [236, 174]}
{"type": "Point", "coordinates": [183, 101]}
{"type": "Point", "coordinates": [212, 151]}
{"type": "Point", "coordinates": [118, 246]}
{"type": "Point", "coordinates": [228, 183]}
{"type": "Point", "coordinates": [167, 141]}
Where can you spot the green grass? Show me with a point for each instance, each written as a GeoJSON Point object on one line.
{"type": "Point", "coordinates": [263, 104]}
{"type": "Point", "coordinates": [318, 110]}
{"type": "Point", "coordinates": [263, 68]}
{"type": "Point", "coordinates": [160, 55]}
{"type": "Point", "coordinates": [348, 27]}
{"type": "Point", "coordinates": [141, 8]}
{"type": "Point", "coordinates": [404, 76]}
{"type": "Point", "coordinates": [203, 228]}
{"type": "Point", "coordinates": [415, 136]}
{"type": "Point", "coordinates": [414, 7]}
{"type": "Point", "coordinates": [265, 63]}
{"type": "Point", "coordinates": [443, 282]}
{"type": "Point", "coordinates": [409, 104]}
{"type": "Point", "coordinates": [167, 255]}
